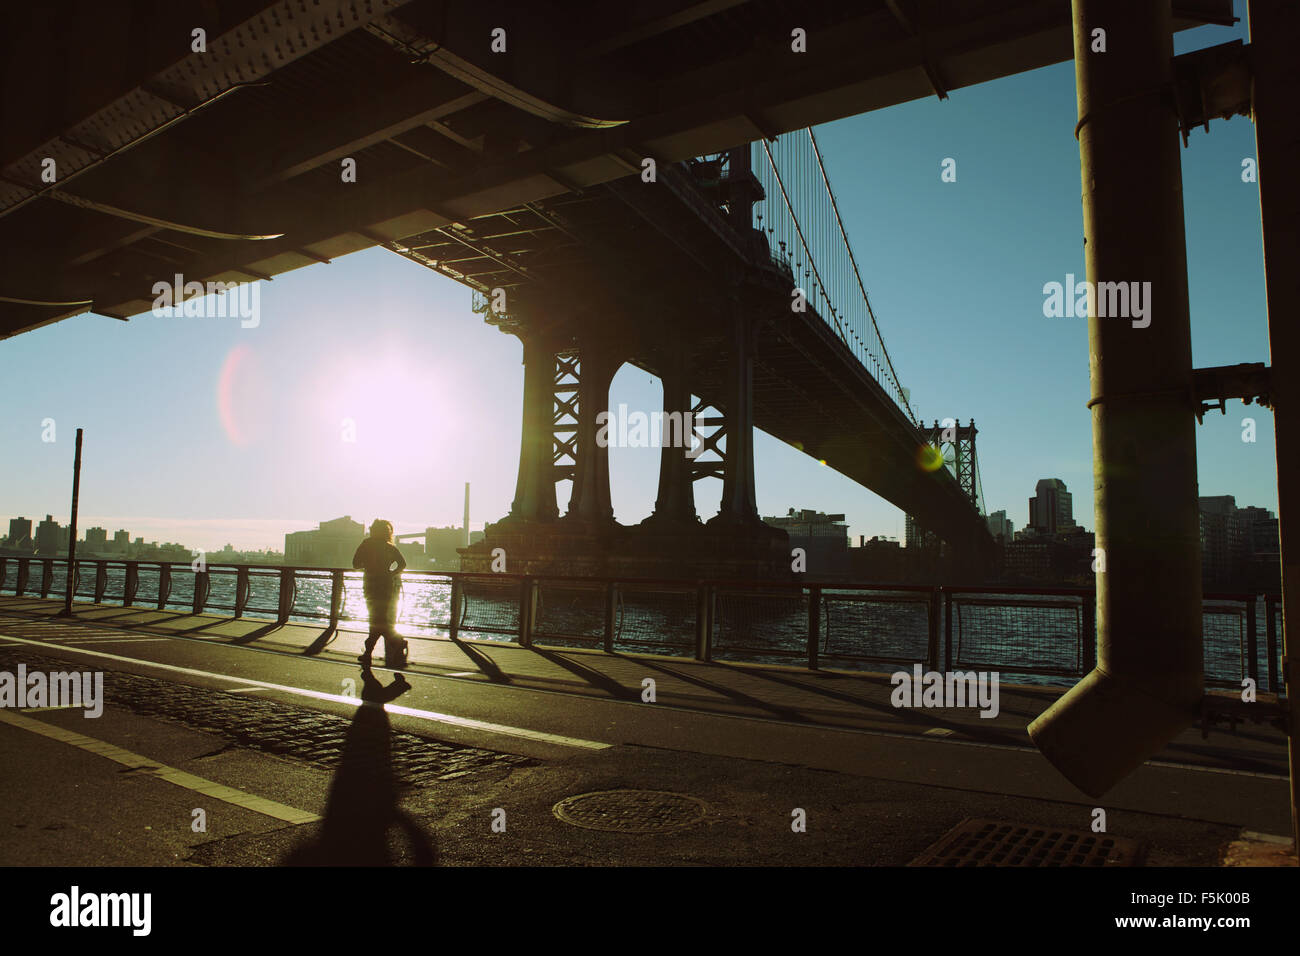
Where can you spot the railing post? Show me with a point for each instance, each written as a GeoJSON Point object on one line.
{"type": "Point", "coordinates": [1271, 639]}
{"type": "Point", "coordinates": [101, 580]}
{"type": "Point", "coordinates": [164, 584]}
{"type": "Point", "coordinates": [947, 631]}
{"type": "Point", "coordinates": [242, 589]}
{"type": "Point", "coordinates": [704, 597]}
{"type": "Point", "coordinates": [285, 603]}
{"type": "Point", "coordinates": [611, 613]}
{"type": "Point", "coordinates": [1252, 646]}
{"type": "Point", "coordinates": [527, 608]}
{"type": "Point", "coordinates": [336, 598]}
{"type": "Point", "coordinates": [47, 577]}
{"type": "Point", "coordinates": [131, 584]}
{"type": "Point", "coordinates": [814, 625]}
{"type": "Point", "coordinates": [932, 648]}
{"type": "Point", "coordinates": [457, 598]}
{"type": "Point", "coordinates": [200, 591]}
{"type": "Point", "coordinates": [24, 571]}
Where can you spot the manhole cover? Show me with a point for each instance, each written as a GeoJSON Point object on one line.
{"type": "Point", "coordinates": [999, 843]}
{"type": "Point", "coordinates": [630, 811]}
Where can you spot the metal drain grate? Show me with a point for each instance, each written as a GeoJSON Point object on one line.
{"type": "Point", "coordinates": [999, 843]}
{"type": "Point", "coordinates": [630, 811]}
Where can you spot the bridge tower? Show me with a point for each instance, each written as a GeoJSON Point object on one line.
{"type": "Point", "coordinates": [957, 444]}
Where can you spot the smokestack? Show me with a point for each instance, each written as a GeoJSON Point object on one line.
{"type": "Point", "coordinates": [465, 526]}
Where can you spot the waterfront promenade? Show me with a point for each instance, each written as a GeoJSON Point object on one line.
{"type": "Point", "coordinates": [752, 742]}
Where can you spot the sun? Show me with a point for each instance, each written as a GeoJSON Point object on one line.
{"type": "Point", "coordinates": [386, 416]}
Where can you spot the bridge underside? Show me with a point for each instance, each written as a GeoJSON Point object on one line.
{"type": "Point", "coordinates": [127, 157]}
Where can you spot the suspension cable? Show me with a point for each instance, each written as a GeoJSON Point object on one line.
{"type": "Point", "coordinates": [856, 274]}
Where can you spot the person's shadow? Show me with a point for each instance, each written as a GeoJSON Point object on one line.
{"type": "Point", "coordinates": [362, 806]}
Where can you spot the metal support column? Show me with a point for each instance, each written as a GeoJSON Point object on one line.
{"type": "Point", "coordinates": [1148, 682]}
{"type": "Point", "coordinates": [1274, 26]}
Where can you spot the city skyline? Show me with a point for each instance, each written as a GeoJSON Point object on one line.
{"type": "Point", "coordinates": [87, 523]}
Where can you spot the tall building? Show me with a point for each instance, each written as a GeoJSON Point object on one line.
{"type": "Point", "coordinates": [50, 537]}
{"type": "Point", "coordinates": [331, 545]}
{"type": "Point", "coordinates": [96, 540]}
{"type": "Point", "coordinates": [1239, 546]}
{"type": "Point", "coordinates": [121, 541]}
{"type": "Point", "coordinates": [914, 536]}
{"type": "Point", "coordinates": [1001, 527]}
{"type": "Point", "coordinates": [1051, 510]}
{"type": "Point", "coordinates": [20, 533]}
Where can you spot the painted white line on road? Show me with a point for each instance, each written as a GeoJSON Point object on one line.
{"type": "Point", "coordinates": [243, 690]}
{"type": "Point", "coordinates": [180, 778]}
{"type": "Point", "coordinates": [429, 715]}
{"type": "Point", "coordinates": [37, 710]}
{"type": "Point", "coordinates": [115, 640]}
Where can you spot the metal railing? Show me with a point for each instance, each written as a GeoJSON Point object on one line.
{"type": "Point", "coordinates": [1045, 634]}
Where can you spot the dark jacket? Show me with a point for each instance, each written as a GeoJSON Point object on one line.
{"type": "Point", "coordinates": [375, 557]}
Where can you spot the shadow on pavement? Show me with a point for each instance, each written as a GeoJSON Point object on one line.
{"type": "Point", "coordinates": [363, 803]}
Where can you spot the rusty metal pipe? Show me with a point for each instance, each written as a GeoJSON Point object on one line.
{"type": "Point", "coordinates": [1274, 25]}
{"type": "Point", "coordinates": [1148, 682]}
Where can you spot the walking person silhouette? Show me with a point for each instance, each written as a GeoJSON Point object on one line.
{"type": "Point", "coordinates": [377, 555]}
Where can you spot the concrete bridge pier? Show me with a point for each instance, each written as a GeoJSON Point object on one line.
{"type": "Point", "coordinates": [675, 501]}
{"type": "Point", "coordinates": [589, 503]}
{"type": "Point", "coordinates": [741, 543]}
{"type": "Point", "coordinates": [739, 506]}
{"type": "Point", "coordinates": [535, 485]}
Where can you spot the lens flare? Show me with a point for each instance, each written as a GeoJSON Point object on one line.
{"type": "Point", "coordinates": [242, 396]}
{"type": "Point", "coordinates": [929, 458]}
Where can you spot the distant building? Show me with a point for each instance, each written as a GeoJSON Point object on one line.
{"type": "Point", "coordinates": [331, 545]}
{"type": "Point", "coordinates": [20, 534]}
{"type": "Point", "coordinates": [1051, 510]}
{"type": "Point", "coordinates": [878, 560]}
{"type": "Point", "coordinates": [1001, 527]}
{"type": "Point", "coordinates": [440, 546]}
{"type": "Point", "coordinates": [413, 552]}
{"type": "Point", "coordinates": [96, 540]}
{"type": "Point", "coordinates": [916, 537]}
{"type": "Point", "coordinates": [121, 541]}
{"type": "Point", "coordinates": [51, 539]}
{"type": "Point", "coordinates": [1240, 547]}
{"type": "Point", "coordinates": [824, 539]}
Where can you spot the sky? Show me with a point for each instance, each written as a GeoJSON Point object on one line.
{"type": "Point", "coordinates": [203, 431]}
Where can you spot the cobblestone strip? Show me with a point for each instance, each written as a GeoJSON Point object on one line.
{"type": "Point", "coordinates": [272, 727]}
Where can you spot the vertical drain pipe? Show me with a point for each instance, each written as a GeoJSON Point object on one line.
{"type": "Point", "coordinates": [1148, 681]}
{"type": "Point", "coordinates": [1274, 25]}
